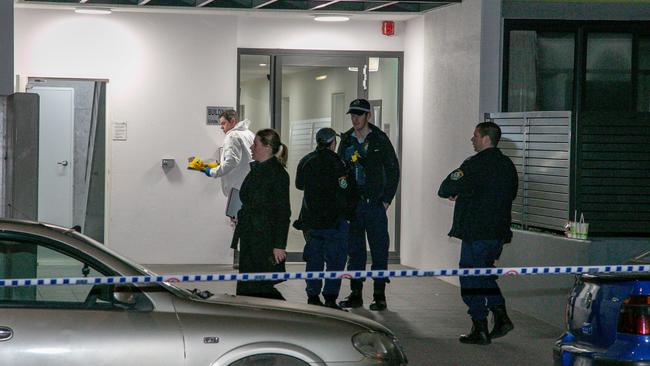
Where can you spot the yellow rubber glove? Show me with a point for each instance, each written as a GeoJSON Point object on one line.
{"type": "Point", "coordinates": [195, 163]}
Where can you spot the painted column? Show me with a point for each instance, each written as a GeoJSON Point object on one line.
{"type": "Point", "coordinates": [6, 47]}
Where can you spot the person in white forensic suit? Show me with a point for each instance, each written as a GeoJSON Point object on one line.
{"type": "Point", "coordinates": [234, 163]}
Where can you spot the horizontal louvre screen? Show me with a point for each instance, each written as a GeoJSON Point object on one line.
{"type": "Point", "coordinates": [613, 173]}
{"type": "Point", "coordinates": [539, 144]}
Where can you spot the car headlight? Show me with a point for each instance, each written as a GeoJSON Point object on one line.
{"type": "Point", "coordinates": [379, 346]}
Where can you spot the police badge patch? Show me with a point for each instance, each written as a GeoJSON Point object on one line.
{"type": "Point", "coordinates": [456, 175]}
{"type": "Point", "coordinates": [343, 183]}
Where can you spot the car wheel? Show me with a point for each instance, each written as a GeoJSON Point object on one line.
{"type": "Point", "coordinates": [269, 360]}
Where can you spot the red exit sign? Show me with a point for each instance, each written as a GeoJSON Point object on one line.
{"type": "Point", "coordinates": [388, 27]}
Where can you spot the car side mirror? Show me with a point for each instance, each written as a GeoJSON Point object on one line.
{"type": "Point", "coordinates": [124, 295]}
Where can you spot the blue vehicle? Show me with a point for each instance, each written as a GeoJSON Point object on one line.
{"type": "Point", "coordinates": [608, 320]}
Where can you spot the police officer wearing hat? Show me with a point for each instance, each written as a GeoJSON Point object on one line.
{"type": "Point", "coordinates": [327, 207]}
{"type": "Point", "coordinates": [483, 189]}
{"type": "Point", "coordinates": [375, 171]}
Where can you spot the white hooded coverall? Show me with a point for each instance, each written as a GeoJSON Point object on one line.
{"type": "Point", "coordinates": [234, 163]}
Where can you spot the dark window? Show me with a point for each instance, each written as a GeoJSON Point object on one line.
{"type": "Point", "coordinates": [600, 72]}
{"type": "Point", "coordinates": [608, 84]}
{"type": "Point", "coordinates": [540, 69]}
{"type": "Point", "coordinates": [34, 259]}
{"type": "Point", "coordinates": [643, 89]}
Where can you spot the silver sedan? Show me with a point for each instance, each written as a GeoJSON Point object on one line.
{"type": "Point", "coordinates": [158, 324]}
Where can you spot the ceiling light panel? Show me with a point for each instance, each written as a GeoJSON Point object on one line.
{"type": "Point", "coordinates": [92, 11]}
{"type": "Point", "coordinates": [331, 18]}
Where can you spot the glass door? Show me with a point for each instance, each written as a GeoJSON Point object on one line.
{"type": "Point", "coordinates": [299, 92]}
{"type": "Point", "coordinates": [384, 96]}
{"type": "Point", "coordinates": [312, 92]}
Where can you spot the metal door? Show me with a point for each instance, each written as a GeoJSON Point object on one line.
{"type": "Point", "coordinates": [56, 147]}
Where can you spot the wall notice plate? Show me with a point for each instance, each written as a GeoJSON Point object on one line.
{"type": "Point", "coordinates": [213, 114]}
{"type": "Point", "coordinates": [119, 131]}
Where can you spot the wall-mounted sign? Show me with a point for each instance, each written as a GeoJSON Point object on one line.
{"type": "Point", "coordinates": [119, 131]}
{"type": "Point", "coordinates": [213, 114]}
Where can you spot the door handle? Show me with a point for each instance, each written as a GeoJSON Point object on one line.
{"type": "Point", "coordinates": [64, 162]}
{"type": "Point", "coordinates": [6, 333]}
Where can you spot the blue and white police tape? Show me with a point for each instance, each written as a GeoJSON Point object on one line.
{"type": "Point", "coordinates": [275, 276]}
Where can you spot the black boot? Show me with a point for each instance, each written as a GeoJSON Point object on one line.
{"type": "Point", "coordinates": [502, 324]}
{"type": "Point", "coordinates": [379, 297]}
{"type": "Point", "coordinates": [379, 303]}
{"type": "Point", "coordinates": [314, 300]}
{"type": "Point", "coordinates": [355, 300]}
{"type": "Point", "coordinates": [330, 302]}
{"type": "Point", "coordinates": [478, 335]}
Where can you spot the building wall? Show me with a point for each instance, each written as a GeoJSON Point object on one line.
{"type": "Point", "coordinates": [412, 160]}
{"type": "Point", "coordinates": [441, 106]}
{"type": "Point", "coordinates": [6, 47]}
{"type": "Point", "coordinates": [301, 32]}
{"type": "Point", "coordinates": [6, 79]}
{"type": "Point", "coordinates": [3, 147]}
{"type": "Point", "coordinates": [162, 71]}
{"type": "Point", "coordinates": [544, 297]}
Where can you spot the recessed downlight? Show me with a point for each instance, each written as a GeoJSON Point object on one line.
{"type": "Point", "coordinates": [94, 11]}
{"type": "Point", "coordinates": [331, 18]}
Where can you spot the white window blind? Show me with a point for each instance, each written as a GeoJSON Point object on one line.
{"type": "Point", "coordinates": [539, 144]}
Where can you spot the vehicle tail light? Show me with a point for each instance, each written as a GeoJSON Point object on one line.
{"type": "Point", "coordinates": [634, 317]}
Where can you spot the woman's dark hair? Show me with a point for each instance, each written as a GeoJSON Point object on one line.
{"type": "Point", "coordinates": [269, 137]}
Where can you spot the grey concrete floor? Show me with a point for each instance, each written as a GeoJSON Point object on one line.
{"type": "Point", "coordinates": [427, 315]}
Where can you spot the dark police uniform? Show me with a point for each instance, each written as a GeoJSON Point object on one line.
{"type": "Point", "coordinates": [375, 171]}
{"type": "Point", "coordinates": [485, 186]}
{"type": "Point", "coordinates": [327, 207]}
{"type": "Point", "coordinates": [262, 225]}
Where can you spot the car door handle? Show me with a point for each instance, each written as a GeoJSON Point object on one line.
{"type": "Point", "coordinates": [6, 333]}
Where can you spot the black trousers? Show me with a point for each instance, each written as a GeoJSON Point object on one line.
{"type": "Point", "coordinates": [264, 289]}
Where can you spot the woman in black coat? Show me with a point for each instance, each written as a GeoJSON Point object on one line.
{"type": "Point", "coordinates": [263, 220]}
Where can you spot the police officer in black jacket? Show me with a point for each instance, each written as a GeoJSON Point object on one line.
{"type": "Point", "coordinates": [483, 189]}
{"type": "Point", "coordinates": [375, 171]}
{"type": "Point", "coordinates": [327, 207]}
{"type": "Point", "coordinates": [264, 218]}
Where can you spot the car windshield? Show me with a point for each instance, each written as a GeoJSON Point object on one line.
{"type": "Point", "coordinates": [137, 267]}
{"type": "Point", "coordinates": [643, 258]}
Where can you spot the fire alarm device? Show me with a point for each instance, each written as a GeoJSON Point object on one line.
{"type": "Point", "coordinates": [388, 27]}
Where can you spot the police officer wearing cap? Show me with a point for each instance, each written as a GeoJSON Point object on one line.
{"type": "Point", "coordinates": [375, 171]}
{"type": "Point", "coordinates": [327, 207]}
{"type": "Point", "coordinates": [483, 189]}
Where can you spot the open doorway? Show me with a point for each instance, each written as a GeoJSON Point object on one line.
{"type": "Point", "coordinates": [72, 152]}
{"type": "Point", "coordinates": [301, 91]}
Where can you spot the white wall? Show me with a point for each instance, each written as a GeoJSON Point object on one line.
{"type": "Point", "coordinates": [441, 108]}
{"type": "Point", "coordinates": [163, 70]}
{"type": "Point", "coordinates": [301, 32]}
{"type": "Point", "coordinates": [413, 244]}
